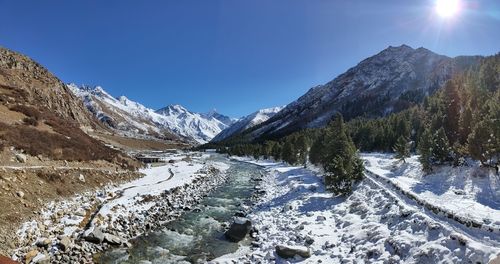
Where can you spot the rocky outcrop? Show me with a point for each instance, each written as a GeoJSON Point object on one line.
{"type": "Point", "coordinates": [34, 85]}
{"type": "Point", "coordinates": [238, 229]}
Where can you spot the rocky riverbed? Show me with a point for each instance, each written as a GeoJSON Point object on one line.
{"type": "Point", "coordinates": [75, 230]}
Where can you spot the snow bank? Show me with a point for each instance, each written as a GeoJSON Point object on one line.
{"type": "Point", "coordinates": [373, 225]}
{"type": "Point", "coordinates": [466, 192]}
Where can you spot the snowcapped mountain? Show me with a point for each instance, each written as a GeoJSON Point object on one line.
{"type": "Point", "coordinates": [247, 122]}
{"type": "Point", "coordinates": [390, 81]}
{"type": "Point", "coordinates": [133, 119]}
{"type": "Point", "coordinates": [201, 127]}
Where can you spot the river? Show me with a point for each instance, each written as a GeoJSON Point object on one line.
{"type": "Point", "coordinates": [198, 235]}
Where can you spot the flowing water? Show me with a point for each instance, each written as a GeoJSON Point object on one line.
{"type": "Point", "coordinates": [197, 236]}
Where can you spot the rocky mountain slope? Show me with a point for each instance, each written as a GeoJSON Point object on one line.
{"type": "Point", "coordinates": [24, 81]}
{"type": "Point", "coordinates": [132, 119]}
{"type": "Point", "coordinates": [387, 82]}
{"type": "Point", "coordinates": [247, 122]}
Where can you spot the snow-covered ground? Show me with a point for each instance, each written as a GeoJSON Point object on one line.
{"type": "Point", "coordinates": [155, 181]}
{"type": "Point", "coordinates": [375, 224]}
{"type": "Point", "coordinates": [470, 192]}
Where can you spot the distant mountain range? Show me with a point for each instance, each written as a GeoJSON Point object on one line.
{"type": "Point", "coordinates": [390, 81]}
{"type": "Point", "coordinates": [247, 122]}
{"type": "Point", "coordinates": [133, 119]}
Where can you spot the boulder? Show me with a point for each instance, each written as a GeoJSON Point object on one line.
{"type": "Point", "coordinates": [309, 240]}
{"type": "Point", "coordinates": [112, 239]}
{"type": "Point", "coordinates": [65, 244]}
{"type": "Point", "coordinates": [20, 194]}
{"type": "Point", "coordinates": [94, 235]}
{"type": "Point", "coordinates": [292, 251]}
{"type": "Point", "coordinates": [21, 158]}
{"type": "Point", "coordinates": [238, 229]}
{"type": "Point", "coordinates": [320, 218]}
{"type": "Point", "coordinates": [43, 242]}
{"type": "Point", "coordinates": [30, 255]}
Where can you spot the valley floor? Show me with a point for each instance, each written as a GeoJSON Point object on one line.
{"type": "Point", "coordinates": [73, 230]}
{"type": "Point", "coordinates": [383, 221]}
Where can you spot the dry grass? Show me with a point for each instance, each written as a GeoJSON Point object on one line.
{"type": "Point", "coordinates": [66, 142]}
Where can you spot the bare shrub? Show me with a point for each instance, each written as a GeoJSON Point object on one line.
{"type": "Point", "coordinates": [50, 176]}
{"type": "Point", "coordinates": [30, 121]}
{"type": "Point", "coordinates": [28, 111]}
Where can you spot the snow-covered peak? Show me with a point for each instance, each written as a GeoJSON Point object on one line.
{"type": "Point", "coordinates": [173, 109]}
{"type": "Point", "coordinates": [392, 80]}
{"type": "Point", "coordinates": [248, 122]}
{"type": "Point", "coordinates": [133, 118]}
{"type": "Point", "coordinates": [199, 126]}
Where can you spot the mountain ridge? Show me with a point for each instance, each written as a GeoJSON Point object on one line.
{"type": "Point", "coordinates": [132, 119]}
{"type": "Point", "coordinates": [247, 122]}
{"type": "Point", "coordinates": [389, 81]}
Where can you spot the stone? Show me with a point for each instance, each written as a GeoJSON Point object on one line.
{"type": "Point", "coordinates": [94, 235]}
{"type": "Point", "coordinates": [238, 229]}
{"type": "Point", "coordinates": [20, 194]}
{"type": "Point", "coordinates": [112, 239]}
{"type": "Point", "coordinates": [21, 158]}
{"type": "Point", "coordinates": [43, 242]}
{"type": "Point", "coordinates": [30, 255]}
{"type": "Point", "coordinates": [309, 240]}
{"type": "Point", "coordinates": [320, 218]}
{"type": "Point", "coordinates": [41, 259]}
{"type": "Point", "coordinates": [81, 178]}
{"type": "Point", "coordinates": [65, 244]}
{"type": "Point", "coordinates": [292, 251]}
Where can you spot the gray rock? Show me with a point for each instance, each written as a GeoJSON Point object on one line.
{"type": "Point", "coordinates": [94, 235]}
{"type": "Point", "coordinates": [21, 158]}
{"type": "Point", "coordinates": [309, 240]}
{"type": "Point", "coordinates": [292, 251]}
{"type": "Point", "coordinates": [112, 239]}
{"type": "Point", "coordinates": [43, 242]}
{"type": "Point", "coordinates": [239, 229]}
{"type": "Point", "coordinates": [320, 218]}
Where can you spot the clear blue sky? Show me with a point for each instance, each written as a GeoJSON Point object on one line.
{"type": "Point", "coordinates": [236, 56]}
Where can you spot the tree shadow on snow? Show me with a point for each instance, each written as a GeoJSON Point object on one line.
{"type": "Point", "coordinates": [309, 185]}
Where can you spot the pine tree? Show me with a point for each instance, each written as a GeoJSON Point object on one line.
{"type": "Point", "coordinates": [402, 148]}
{"type": "Point", "coordinates": [288, 153]}
{"type": "Point", "coordinates": [316, 153]}
{"type": "Point", "coordinates": [341, 163]}
{"type": "Point", "coordinates": [425, 150]}
{"type": "Point", "coordinates": [441, 146]}
{"type": "Point", "coordinates": [483, 143]}
{"type": "Point", "coordinates": [452, 105]}
{"type": "Point", "coordinates": [465, 125]}
{"type": "Point", "coordinates": [302, 148]}
{"type": "Point", "coordinates": [276, 151]}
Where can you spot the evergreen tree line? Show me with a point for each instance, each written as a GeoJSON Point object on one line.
{"type": "Point", "coordinates": [459, 121]}
{"type": "Point", "coordinates": [331, 148]}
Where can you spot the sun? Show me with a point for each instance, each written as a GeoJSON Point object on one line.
{"type": "Point", "coordinates": [447, 8]}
